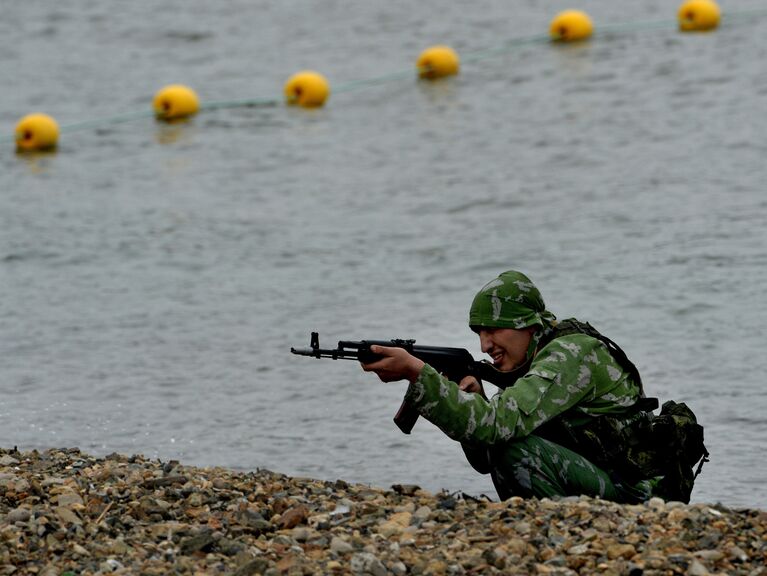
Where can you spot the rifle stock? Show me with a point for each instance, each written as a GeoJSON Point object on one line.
{"type": "Point", "coordinates": [453, 363]}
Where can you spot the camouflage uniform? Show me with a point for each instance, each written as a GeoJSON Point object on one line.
{"type": "Point", "coordinates": [572, 378]}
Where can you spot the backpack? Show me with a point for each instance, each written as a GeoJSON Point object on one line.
{"type": "Point", "coordinates": [642, 446]}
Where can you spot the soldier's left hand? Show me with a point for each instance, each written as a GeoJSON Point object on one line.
{"type": "Point", "coordinates": [472, 385]}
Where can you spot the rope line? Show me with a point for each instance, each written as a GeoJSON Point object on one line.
{"type": "Point", "coordinates": [474, 56]}
{"type": "Point", "coordinates": [249, 103]}
{"type": "Point", "coordinates": [86, 124]}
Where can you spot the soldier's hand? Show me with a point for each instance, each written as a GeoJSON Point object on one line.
{"type": "Point", "coordinates": [396, 364]}
{"type": "Point", "coordinates": [472, 385]}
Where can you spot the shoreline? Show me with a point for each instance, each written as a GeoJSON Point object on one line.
{"type": "Point", "coordinates": [64, 512]}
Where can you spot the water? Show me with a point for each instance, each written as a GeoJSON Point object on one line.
{"type": "Point", "coordinates": [153, 278]}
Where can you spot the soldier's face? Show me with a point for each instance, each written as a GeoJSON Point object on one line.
{"type": "Point", "coordinates": [506, 346]}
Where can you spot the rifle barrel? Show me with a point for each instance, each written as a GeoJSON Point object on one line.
{"type": "Point", "coordinates": [337, 354]}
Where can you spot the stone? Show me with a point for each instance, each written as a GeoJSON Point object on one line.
{"type": "Point", "coordinates": [257, 566]}
{"type": "Point", "coordinates": [367, 563]}
{"type": "Point", "coordinates": [67, 515]}
{"type": "Point", "coordinates": [17, 515]}
{"type": "Point", "coordinates": [133, 515]}
{"type": "Point", "coordinates": [697, 569]}
{"type": "Point", "coordinates": [294, 516]}
{"type": "Point", "coordinates": [69, 499]}
{"type": "Point", "coordinates": [578, 549]}
{"type": "Point", "coordinates": [625, 551]}
{"type": "Point", "coordinates": [340, 546]}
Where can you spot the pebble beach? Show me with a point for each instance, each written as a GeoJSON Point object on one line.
{"type": "Point", "coordinates": [63, 512]}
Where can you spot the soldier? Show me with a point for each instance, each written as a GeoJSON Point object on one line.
{"type": "Point", "coordinates": [563, 428]}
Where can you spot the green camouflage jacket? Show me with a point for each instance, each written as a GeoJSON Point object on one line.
{"type": "Point", "coordinates": [573, 376]}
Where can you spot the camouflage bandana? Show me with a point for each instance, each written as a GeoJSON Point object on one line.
{"type": "Point", "coordinates": [511, 301]}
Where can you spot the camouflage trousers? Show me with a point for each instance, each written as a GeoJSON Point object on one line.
{"type": "Point", "coordinates": [532, 466]}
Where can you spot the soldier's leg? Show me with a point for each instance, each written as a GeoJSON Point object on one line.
{"type": "Point", "coordinates": [532, 466]}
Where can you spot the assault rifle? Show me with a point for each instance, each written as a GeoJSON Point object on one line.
{"type": "Point", "coordinates": [454, 363]}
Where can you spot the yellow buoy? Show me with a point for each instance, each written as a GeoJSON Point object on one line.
{"type": "Point", "coordinates": [36, 132]}
{"type": "Point", "coordinates": [699, 15]}
{"type": "Point", "coordinates": [306, 88]}
{"type": "Point", "coordinates": [571, 25]}
{"type": "Point", "coordinates": [437, 62]}
{"type": "Point", "coordinates": [175, 101]}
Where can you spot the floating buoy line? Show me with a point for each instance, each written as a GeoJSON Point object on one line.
{"type": "Point", "coordinates": [39, 132]}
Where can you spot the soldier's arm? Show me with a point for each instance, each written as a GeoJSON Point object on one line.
{"type": "Point", "coordinates": [559, 378]}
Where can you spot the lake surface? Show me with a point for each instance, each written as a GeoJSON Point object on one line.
{"type": "Point", "coordinates": [154, 277]}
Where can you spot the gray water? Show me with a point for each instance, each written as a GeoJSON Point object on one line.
{"type": "Point", "coordinates": [154, 277]}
